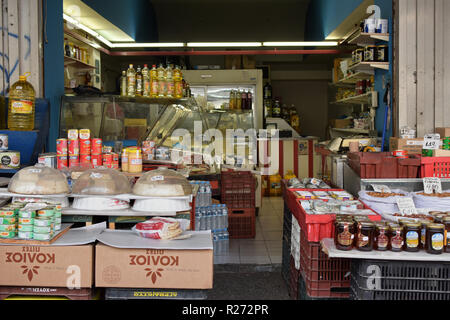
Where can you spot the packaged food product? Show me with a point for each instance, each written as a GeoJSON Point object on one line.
{"type": "Point", "coordinates": [96, 146]}
{"type": "Point", "coordinates": [37, 229]}
{"type": "Point", "coordinates": [162, 183]}
{"type": "Point", "coordinates": [48, 212]}
{"type": "Point", "coordinates": [8, 234]}
{"type": "Point", "coordinates": [43, 222]}
{"type": "Point", "coordinates": [39, 180]}
{"type": "Point", "coordinates": [85, 159]}
{"type": "Point", "coordinates": [74, 161]}
{"type": "Point", "coordinates": [7, 227]}
{"type": "Point", "coordinates": [8, 220]}
{"type": "Point", "coordinates": [57, 227]}
{"type": "Point", "coordinates": [96, 160]}
{"type": "Point", "coordinates": [41, 236]}
{"type": "Point", "coordinates": [159, 228]}
{"type": "Point", "coordinates": [25, 227]}
{"type": "Point", "coordinates": [412, 236]}
{"type": "Point", "coordinates": [365, 236]}
{"type": "Point", "coordinates": [25, 235]}
{"type": "Point", "coordinates": [305, 195]}
{"type": "Point", "coordinates": [397, 240]}
{"type": "Point", "coordinates": [72, 134]}
{"type": "Point", "coordinates": [26, 221]}
{"type": "Point", "coordinates": [341, 195]}
{"type": "Point", "coordinates": [99, 203]}
{"type": "Point", "coordinates": [435, 238]}
{"type": "Point", "coordinates": [85, 134]}
{"type": "Point", "coordinates": [62, 147]}
{"type": "Point", "coordinates": [10, 159]}
{"type": "Point", "coordinates": [102, 181]}
{"type": "Point", "coordinates": [382, 237]}
{"type": "Point", "coordinates": [4, 142]}
{"type": "Point", "coordinates": [344, 235]}
{"type": "Point", "coordinates": [6, 212]}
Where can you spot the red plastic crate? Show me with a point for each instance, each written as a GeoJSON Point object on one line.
{"type": "Point", "coordinates": [438, 167]}
{"type": "Point", "coordinates": [293, 280]}
{"type": "Point", "coordinates": [316, 227]}
{"type": "Point", "coordinates": [241, 223]}
{"type": "Point", "coordinates": [238, 189]}
{"type": "Point", "coordinates": [373, 165]}
{"type": "Point", "coordinates": [409, 168]}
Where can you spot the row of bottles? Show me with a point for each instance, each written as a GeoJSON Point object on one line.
{"type": "Point", "coordinates": [214, 217]}
{"type": "Point", "coordinates": [204, 194]}
{"type": "Point", "coordinates": [221, 242]}
{"type": "Point", "coordinates": [154, 83]}
{"type": "Point", "coordinates": [274, 109]}
{"type": "Point", "coordinates": [241, 100]}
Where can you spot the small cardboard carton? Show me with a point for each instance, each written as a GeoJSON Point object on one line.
{"type": "Point", "coordinates": [412, 146]}
{"type": "Point", "coordinates": [48, 266]}
{"type": "Point", "coordinates": [444, 132]}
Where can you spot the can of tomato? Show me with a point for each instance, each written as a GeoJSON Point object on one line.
{"type": "Point", "coordinates": [74, 161]}
{"type": "Point", "coordinates": [96, 146]}
{"type": "Point", "coordinates": [61, 147]}
{"type": "Point", "coordinates": [115, 161]}
{"type": "Point", "coordinates": [85, 146]}
{"type": "Point", "coordinates": [96, 160]}
{"type": "Point", "coordinates": [74, 147]}
{"type": "Point", "coordinates": [107, 160]}
{"type": "Point", "coordinates": [400, 153]}
{"type": "Point", "coordinates": [85, 158]}
{"type": "Point", "coordinates": [62, 162]}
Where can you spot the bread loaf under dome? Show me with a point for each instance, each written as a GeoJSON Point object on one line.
{"type": "Point", "coordinates": [162, 183]}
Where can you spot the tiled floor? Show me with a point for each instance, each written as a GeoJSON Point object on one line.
{"type": "Point", "coordinates": [267, 245]}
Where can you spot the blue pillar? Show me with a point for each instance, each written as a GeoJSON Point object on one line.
{"type": "Point", "coordinates": [53, 64]}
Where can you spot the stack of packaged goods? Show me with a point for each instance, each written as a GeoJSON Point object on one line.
{"type": "Point", "coordinates": [132, 160]}
{"type": "Point", "coordinates": [212, 217]}
{"type": "Point", "coordinates": [148, 150]}
{"type": "Point", "coordinates": [26, 224]}
{"type": "Point", "coordinates": [8, 222]}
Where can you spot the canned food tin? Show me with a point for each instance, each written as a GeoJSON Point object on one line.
{"type": "Point", "coordinates": [3, 142]}
{"type": "Point", "coordinates": [38, 229]}
{"type": "Point", "coordinates": [62, 162]}
{"type": "Point", "coordinates": [26, 227]}
{"type": "Point", "coordinates": [85, 158]}
{"type": "Point", "coordinates": [41, 236]}
{"type": "Point", "coordinates": [26, 221]}
{"type": "Point", "coordinates": [61, 147]}
{"type": "Point", "coordinates": [96, 146]}
{"type": "Point", "coordinates": [359, 55]}
{"type": "Point", "coordinates": [74, 161]}
{"type": "Point", "coordinates": [25, 235]}
{"type": "Point", "coordinates": [107, 149]}
{"type": "Point", "coordinates": [400, 153]}
{"type": "Point", "coordinates": [107, 160]}
{"type": "Point", "coordinates": [57, 227]}
{"type": "Point", "coordinates": [10, 159]}
{"type": "Point", "coordinates": [85, 146]}
{"type": "Point", "coordinates": [7, 227]}
{"type": "Point", "coordinates": [383, 53]}
{"type": "Point", "coordinates": [27, 214]}
{"type": "Point", "coordinates": [85, 134]}
{"type": "Point", "coordinates": [4, 212]}
{"type": "Point", "coordinates": [7, 220]}
{"type": "Point", "coordinates": [43, 222]}
{"type": "Point", "coordinates": [48, 160]}
{"type": "Point", "coordinates": [74, 147]}
{"type": "Point", "coordinates": [115, 161]}
{"type": "Point", "coordinates": [72, 134]}
{"type": "Point", "coordinates": [148, 144]}
{"type": "Point", "coordinates": [370, 54]}
{"type": "Point", "coordinates": [162, 153]}
{"type": "Point", "coordinates": [8, 234]}
{"type": "Point", "coordinates": [96, 160]}
{"type": "Point", "coordinates": [46, 213]}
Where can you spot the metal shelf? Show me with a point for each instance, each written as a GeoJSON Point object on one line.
{"type": "Point", "coordinates": [367, 98]}
{"type": "Point", "coordinates": [369, 66]}
{"type": "Point", "coordinates": [362, 39]}
{"type": "Point", "coordinates": [351, 130]}
{"type": "Point", "coordinates": [68, 61]}
{"type": "Point", "coordinates": [355, 77]}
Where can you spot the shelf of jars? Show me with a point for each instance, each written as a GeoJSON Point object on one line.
{"type": "Point", "coordinates": [370, 98]}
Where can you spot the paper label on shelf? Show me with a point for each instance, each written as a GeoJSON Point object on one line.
{"type": "Point", "coordinates": [406, 206]}
{"type": "Point", "coordinates": [381, 188]}
{"type": "Point", "coordinates": [432, 141]}
{"type": "Point", "coordinates": [431, 185]}
{"type": "Point", "coordinates": [157, 178]}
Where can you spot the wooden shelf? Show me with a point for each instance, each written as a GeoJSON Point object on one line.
{"type": "Point", "coordinates": [367, 98]}
{"type": "Point", "coordinates": [351, 130]}
{"type": "Point", "coordinates": [369, 66]}
{"type": "Point", "coordinates": [362, 39]}
{"type": "Point", "coordinates": [68, 61]}
{"type": "Point", "coordinates": [355, 77]}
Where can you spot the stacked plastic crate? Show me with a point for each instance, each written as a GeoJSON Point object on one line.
{"type": "Point", "coordinates": [238, 193]}
{"type": "Point", "coordinates": [286, 248]}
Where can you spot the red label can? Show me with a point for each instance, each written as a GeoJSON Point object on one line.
{"type": "Point", "coordinates": [96, 146]}
{"type": "Point", "coordinates": [96, 160]}
{"type": "Point", "coordinates": [85, 146]}
{"type": "Point", "coordinates": [61, 146]}
{"type": "Point", "coordinates": [74, 161]}
{"type": "Point", "coordinates": [115, 161]}
{"type": "Point", "coordinates": [74, 147]}
{"type": "Point", "coordinates": [107, 160]}
{"type": "Point", "coordinates": [85, 158]}
{"type": "Point", "coordinates": [62, 162]}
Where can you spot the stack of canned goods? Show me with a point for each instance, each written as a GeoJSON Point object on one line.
{"type": "Point", "coordinates": [8, 221]}
{"type": "Point", "coordinates": [446, 143]}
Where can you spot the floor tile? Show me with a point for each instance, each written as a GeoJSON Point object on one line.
{"type": "Point", "coordinates": [226, 260]}
{"type": "Point", "coordinates": [276, 259]}
{"type": "Point", "coordinates": [273, 235]}
{"type": "Point", "coordinates": [256, 260]}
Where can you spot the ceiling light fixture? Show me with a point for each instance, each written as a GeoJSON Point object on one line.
{"type": "Point", "coordinates": [149, 45]}
{"type": "Point", "coordinates": [223, 44]}
{"type": "Point", "coordinates": [81, 26]}
{"type": "Point", "coordinates": [300, 44]}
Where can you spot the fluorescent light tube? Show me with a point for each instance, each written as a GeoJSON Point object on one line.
{"type": "Point", "coordinates": [301, 44]}
{"type": "Point", "coordinates": [224, 44]}
{"type": "Point", "coordinates": [148, 45]}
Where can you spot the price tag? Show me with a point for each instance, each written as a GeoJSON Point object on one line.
{"type": "Point", "coordinates": [432, 141]}
{"type": "Point", "coordinates": [406, 206]}
{"type": "Point", "coordinates": [431, 185]}
{"type": "Point", "coordinates": [381, 188]}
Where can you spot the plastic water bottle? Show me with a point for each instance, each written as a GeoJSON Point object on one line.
{"type": "Point", "coordinates": [215, 224]}
{"type": "Point", "coordinates": [225, 216]}
{"type": "Point", "coordinates": [202, 219]}
{"type": "Point", "coordinates": [208, 193]}
{"type": "Point", "coordinates": [197, 220]}
{"type": "Point", "coordinates": [226, 241]}
{"type": "Point", "coordinates": [215, 244]}
{"type": "Point", "coordinates": [208, 218]}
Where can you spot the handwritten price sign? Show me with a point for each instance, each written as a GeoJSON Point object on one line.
{"type": "Point", "coordinates": [406, 206]}
{"type": "Point", "coordinates": [432, 185]}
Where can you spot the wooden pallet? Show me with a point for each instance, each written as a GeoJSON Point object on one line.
{"type": "Point", "coordinates": [64, 228]}
{"type": "Point", "coordinates": [72, 294]}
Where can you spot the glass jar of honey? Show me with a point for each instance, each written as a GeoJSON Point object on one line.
{"type": "Point", "coordinates": [447, 233]}
{"type": "Point", "coordinates": [423, 232]}
{"type": "Point", "coordinates": [435, 238]}
{"type": "Point", "coordinates": [382, 237]}
{"type": "Point", "coordinates": [412, 232]}
{"type": "Point", "coordinates": [344, 235]}
{"type": "Point", "coordinates": [365, 235]}
{"type": "Point", "coordinates": [396, 240]}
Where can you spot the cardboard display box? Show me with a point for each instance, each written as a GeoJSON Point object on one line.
{"type": "Point", "coordinates": [444, 132]}
{"type": "Point", "coordinates": [153, 268]}
{"type": "Point", "coordinates": [412, 146]}
{"type": "Point", "coordinates": [47, 266]}
{"type": "Point", "coordinates": [441, 153]}
{"type": "Point", "coordinates": [233, 62]}
{"type": "Point", "coordinates": [341, 123]}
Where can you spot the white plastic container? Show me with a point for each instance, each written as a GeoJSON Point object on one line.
{"type": "Point", "coordinates": [99, 204]}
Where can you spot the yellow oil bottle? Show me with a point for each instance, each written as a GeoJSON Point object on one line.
{"type": "Point", "coordinates": [289, 175]}
{"type": "Point", "coordinates": [21, 106]}
{"type": "Point", "coordinates": [275, 185]}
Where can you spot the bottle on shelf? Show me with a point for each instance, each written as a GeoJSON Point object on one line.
{"type": "Point", "coordinates": [21, 108]}
{"type": "Point", "coordinates": [267, 91]}
{"type": "Point", "coordinates": [67, 51]}
{"type": "Point", "coordinates": [170, 86]}
{"type": "Point", "coordinates": [178, 82]}
{"type": "Point", "coordinates": [276, 110]}
{"type": "Point", "coordinates": [244, 100]}
{"type": "Point", "coordinates": [153, 82]}
{"type": "Point", "coordinates": [295, 119]}
{"type": "Point", "coordinates": [146, 81]}
{"type": "Point", "coordinates": [131, 81]}
{"type": "Point", "coordinates": [249, 100]}
{"type": "Point", "coordinates": [238, 100]}
{"type": "Point", "coordinates": [123, 84]}
{"type": "Point", "coordinates": [285, 114]}
{"type": "Point", "coordinates": [139, 82]}
{"type": "Point", "coordinates": [162, 88]}
{"type": "Point", "coordinates": [232, 100]}
{"type": "Point", "coordinates": [267, 108]}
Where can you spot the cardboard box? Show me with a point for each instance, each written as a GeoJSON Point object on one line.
{"type": "Point", "coordinates": [47, 266]}
{"type": "Point", "coordinates": [233, 62]}
{"type": "Point", "coordinates": [444, 132]}
{"type": "Point", "coordinates": [248, 62]}
{"type": "Point", "coordinates": [341, 123]}
{"type": "Point", "coordinates": [150, 268]}
{"type": "Point", "coordinates": [441, 153]}
{"type": "Point", "coordinates": [412, 146]}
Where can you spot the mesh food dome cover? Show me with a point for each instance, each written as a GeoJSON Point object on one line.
{"type": "Point", "coordinates": [101, 181]}
{"type": "Point", "coordinates": [38, 180]}
{"type": "Point", "coordinates": [162, 183]}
